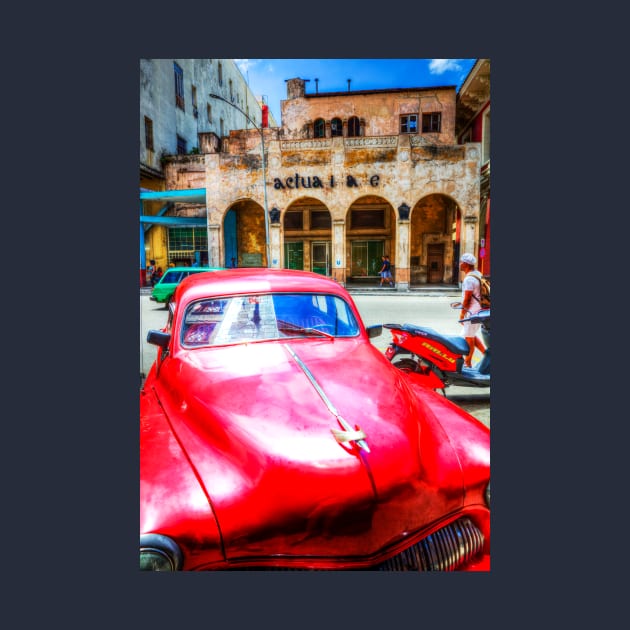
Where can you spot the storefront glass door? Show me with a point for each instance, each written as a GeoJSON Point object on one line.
{"type": "Point", "coordinates": [366, 258]}
{"type": "Point", "coordinates": [294, 255]}
{"type": "Point", "coordinates": [320, 258]}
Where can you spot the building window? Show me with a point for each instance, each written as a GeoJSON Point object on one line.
{"type": "Point", "coordinates": [220, 73]}
{"type": "Point", "coordinates": [184, 242]}
{"type": "Point", "coordinates": [209, 113]}
{"type": "Point", "coordinates": [368, 219]}
{"type": "Point", "coordinates": [231, 94]}
{"type": "Point", "coordinates": [148, 133]}
{"type": "Point", "coordinates": [354, 127]}
{"type": "Point", "coordinates": [409, 123]}
{"type": "Point", "coordinates": [179, 86]}
{"type": "Point", "coordinates": [336, 128]}
{"type": "Point", "coordinates": [431, 122]}
{"type": "Point", "coordinates": [193, 94]}
{"type": "Point", "coordinates": [221, 127]}
{"type": "Point", "coordinates": [293, 220]}
{"type": "Point", "coordinates": [319, 128]}
{"type": "Point", "coordinates": [181, 146]}
{"type": "Point", "coordinates": [320, 219]}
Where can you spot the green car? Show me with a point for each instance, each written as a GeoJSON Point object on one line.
{"type": "Point", "coordinates": [166, 285]}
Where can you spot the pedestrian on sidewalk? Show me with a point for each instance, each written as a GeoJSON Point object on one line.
{"type": "Point", "coordinates": [151, 272]}
{"type": "Point", "coordinates": [385, 272]}
{"type": "Point", "coordinates": [471, 304]}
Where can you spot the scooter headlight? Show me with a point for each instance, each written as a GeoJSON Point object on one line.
{"type": "Point", "coordinates": [487, 495]}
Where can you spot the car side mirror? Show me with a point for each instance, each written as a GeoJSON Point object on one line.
{"type": "Point", "coordinates": [159, 338]}
{"type": "Point", "coordinates": [375, 330]}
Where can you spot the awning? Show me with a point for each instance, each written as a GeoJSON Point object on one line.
{"type": "Point", "coordinates": [191, 195]}
{"type": "Point", "coordinates": [174, 221]}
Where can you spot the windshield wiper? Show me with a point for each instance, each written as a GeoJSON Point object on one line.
{"type": "Point", "coordinates": [292, 328]}
{"type": "Point", "coordinates": [317, 331]}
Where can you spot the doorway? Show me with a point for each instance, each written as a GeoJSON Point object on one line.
{"type": "Point", "coordinates": [435, 263]}
{"type": "Point", "coordinates": [320, 257]}
{"type": "Point", "coordinates": [294, 255]}
{"type": "Point", "coordinates": [366, 258]}
{"type": "Point", "coordinates": [230, 243]}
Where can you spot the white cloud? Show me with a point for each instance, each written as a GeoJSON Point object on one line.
{"type": "Point", "coordinates": [440, 66]}
{"type": "Point", "coordinates": [245, 64]}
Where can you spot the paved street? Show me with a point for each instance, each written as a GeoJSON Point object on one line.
{"type": "Point", "coordinates": [379, 308]}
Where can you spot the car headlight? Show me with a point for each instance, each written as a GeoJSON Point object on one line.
{"type": "Point", "coordinates": [159, 553]}
{"type": "Point", "coordinates": [487, 495]}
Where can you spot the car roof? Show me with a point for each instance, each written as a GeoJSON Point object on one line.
{"type": "Point", "coordinates": [193, 269]}
{"type": "Point", "coordinates": [245, 280]}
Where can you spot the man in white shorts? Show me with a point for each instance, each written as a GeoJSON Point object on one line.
{"type": "Point", "coordinates": [471, 304]}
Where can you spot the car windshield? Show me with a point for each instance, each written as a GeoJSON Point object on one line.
{"type": "Point", "coordinates": [227, 320]}
{"type": "Point", "coordinates": [173, 277]}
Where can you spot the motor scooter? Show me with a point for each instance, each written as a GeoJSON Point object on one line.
{"type": "Point", "coordinates": [439, 359]}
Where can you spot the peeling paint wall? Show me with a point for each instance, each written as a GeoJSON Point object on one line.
{"type": "Point", "coordinates": [381, 111]}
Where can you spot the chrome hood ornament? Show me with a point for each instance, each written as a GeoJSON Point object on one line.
{"type": "Point", "coordinates": [348, 434]}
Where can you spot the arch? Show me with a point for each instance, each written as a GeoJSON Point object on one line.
{"type": "Point", "coordinates": [354, 127]}
{"type": "Point", "coordinates": [434, 238]}
{"type": "Point", "coordinates": [336, 127]}
{"type": "Point", "coordinates": [243, 241]}
{"type": "Point", "coordinates": [307, 226]}
{"type": "Point", "coordinates": [370, 233]}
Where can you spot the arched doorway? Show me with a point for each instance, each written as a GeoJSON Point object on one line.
{"type": "Point", "coordinates": [370, 234]}
{"type": "Point", "coordinates": [433, 225]}
{"type": "Point", "coordinates": [244, 240]}
{"type": "Point", "coordinates": [307, 226]}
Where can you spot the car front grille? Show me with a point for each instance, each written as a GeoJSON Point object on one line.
{"type": "Point", "coordinates": [445, 550]}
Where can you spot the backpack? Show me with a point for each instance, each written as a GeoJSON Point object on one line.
{"type": "Point", "coordinates": [485, 290]}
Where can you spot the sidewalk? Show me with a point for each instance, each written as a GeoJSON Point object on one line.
{"type": "Point", "coordinates": [432, 290]}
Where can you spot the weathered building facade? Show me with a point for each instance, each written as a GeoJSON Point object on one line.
{"type": "Point", "coordinates": [179, 117]}
{"type": "Point", "coordinates": [346, 178]}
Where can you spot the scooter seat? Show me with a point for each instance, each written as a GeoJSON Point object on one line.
{"type": "Point", "coordinates": [454, 343]}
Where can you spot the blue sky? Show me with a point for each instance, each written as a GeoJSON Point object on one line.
{"type": "Point", "coordinates": [266, 77]}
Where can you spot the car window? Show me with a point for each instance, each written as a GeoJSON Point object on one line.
{"type": "Point", "coordinates": [172, 277]}
{"type": "Point", "coordinates": [219, 321]}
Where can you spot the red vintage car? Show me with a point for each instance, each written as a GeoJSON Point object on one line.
{"type": "Point", "coordinates": [275, 436]}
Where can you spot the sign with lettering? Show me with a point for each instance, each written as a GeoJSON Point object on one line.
{"type": "Point", "coordinates": [251, 260]}
{"type": "Point", "coordinates": [314, 181]}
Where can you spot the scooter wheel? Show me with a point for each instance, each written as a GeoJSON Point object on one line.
{"type": "Point", "coordinates": [407, 365]}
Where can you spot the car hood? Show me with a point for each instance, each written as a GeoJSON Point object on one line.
{"type": "Point", "coordinates": [257, 421]}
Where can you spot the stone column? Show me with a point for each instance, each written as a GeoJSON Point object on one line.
{"type": "Point", "coordinates": [274, 245]}
{"type": "Point", "coordinates": [469, 234]}
{"type": "Point", "coordinates": [339, 251]}
{"type": "Point", "coordinates": [214, 245]}
{"type": "Point", "coordinates": [402, 255]}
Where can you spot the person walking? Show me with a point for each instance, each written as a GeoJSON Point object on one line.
{"type": "Point", "coordinates": [385, 272]}
{"type": "Point", "coordinates": [471, 304]}
{"type": "Point", "coordinates": [151, 272]}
